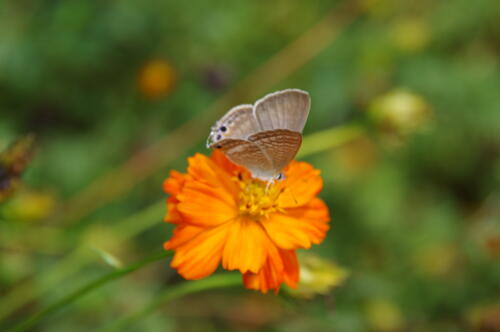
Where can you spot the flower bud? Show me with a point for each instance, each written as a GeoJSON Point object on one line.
{"type": "Point", "coordinates": [400, 113]}
{"type": "Point", "coordinates": [318, 276]}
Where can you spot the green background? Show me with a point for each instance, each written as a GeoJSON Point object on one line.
{"type": "Point", "coordinates": [415, 213]}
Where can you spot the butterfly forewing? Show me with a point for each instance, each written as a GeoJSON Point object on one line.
{"type": "Point", "coordinates": [280, 145]}
{"type": "Point", "coordinates": [287, 109]}
{"type": "Point", "coordinates": [239, 122]}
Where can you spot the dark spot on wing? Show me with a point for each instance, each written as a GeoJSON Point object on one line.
{"type": "Point", "coordinates": [223, 128]}
{"type": "Point", "coordinates": [219, 137]}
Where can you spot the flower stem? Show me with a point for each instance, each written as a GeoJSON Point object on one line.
{"type": "Point", "coordinates": [80, 292]}
{"type": "Point", "coordinates": [78, 258]}
{"type": "Point", "coordinates": [329, 139]}
{"type": "Point", "coordinates": [216, 281]}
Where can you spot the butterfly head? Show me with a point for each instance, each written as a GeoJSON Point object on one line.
{"type": "Point", "coordinates": [217, 133]}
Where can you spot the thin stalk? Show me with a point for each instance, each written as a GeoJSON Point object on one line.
{"type": "Point", "coordinates": [99, 282]}
{"type": "Point", "coordinates": [222, 280]}
{"type": "Point", "coordinates": [329, 139]}
{"type": "Point", "coordinates": [80, 257]}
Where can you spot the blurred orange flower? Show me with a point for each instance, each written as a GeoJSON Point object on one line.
{"type": "Point", "coordinates": [223, 215]}
{"type": "Point", "coordinates": [156, 79]}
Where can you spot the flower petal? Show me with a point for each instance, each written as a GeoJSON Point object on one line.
{"type": "Point", "coordinates": [280, 267]}
{"type": "Point", "coordinates": [182, 234]}
{"type": "Point", "coordinates": [174, 183]}
{"type": "Point", "coordinates": [291, 267]}
{"type": "Point", "coordinates": [301, 184]}
{"type": "Point", "coordinates": [246, 247]}
{"type": "Point", "coordinates": [269, 277]}
{"type": "Point", "coordinates": [203, 205]}
{"type": "Point", "coordinates": [299, 227]}
{"type": "Point", "coordinates": [200, 256]}
{"type": "Point", "coordinates": [173, 216]}
{"type": "Point", "coordinates": [203, 169]}
{"type": "Point", "coordinates": [220, 159]}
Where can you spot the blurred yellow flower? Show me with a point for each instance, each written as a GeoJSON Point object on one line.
{"type": "Point", "coordinates": [30, 206]}
{"type": "Point", "coordinates": [318, 276]}
{"type": "Point", "coordinates": [400, 113]}
{"type": "Point", "coordinates": [383, 315]}
{"type": "Point", "coordinates": [156, 79]}
{"type": "Point", "coordinates": [410, 34]}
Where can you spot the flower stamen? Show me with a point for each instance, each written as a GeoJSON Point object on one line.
{"type": "Point", "coordinates": [258, 199]}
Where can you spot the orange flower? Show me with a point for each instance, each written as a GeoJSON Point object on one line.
{"type": "Point", "coordinates": [156, 79]}
{"type": "Point", "coordinates": [224, 216]}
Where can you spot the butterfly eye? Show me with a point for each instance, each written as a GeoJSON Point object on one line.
{"type": "Point", "coordinates": [280, 176]}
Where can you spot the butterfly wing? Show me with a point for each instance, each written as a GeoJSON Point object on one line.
{"type": "Point", "coordinates": [238, 123]}
{"type": "Point", "coordinates": [263, 138]}
{"type": "Point", "coordinates": [247, 154]}
{"type": "Point", "coordinates": [280, 146]}
{"type": "Point", "coordinates": [286, 109]}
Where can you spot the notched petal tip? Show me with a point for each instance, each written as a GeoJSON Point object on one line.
{"type": "Point", "coordinates": [283, 268]}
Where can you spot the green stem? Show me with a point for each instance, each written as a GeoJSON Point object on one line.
{"type": "Point", "coordinates": [329, 139]}
{"type": "Point", "coordinates": [217, 281]}
{"type": "Point", "coordinates": [99, 282]}
{"type": "Point", "coordinates": [70, 264]}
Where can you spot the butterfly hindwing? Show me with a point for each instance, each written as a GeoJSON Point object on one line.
{"type": "Point", "coordinates": [280, 145]}
{"type": "Point", "coordinates": [247, 154]}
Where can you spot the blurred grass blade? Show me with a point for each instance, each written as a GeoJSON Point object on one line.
{"type": "Point", "coordinates": [109, 258]}
{"type": "Point", "coordinates": [94, 285]}
{"type": "Point", "coordinates": [329, 139]}
{"type": "Point", "coordinates": [171, 293]}
{"type": "Point", "coordinates": [77, 259]}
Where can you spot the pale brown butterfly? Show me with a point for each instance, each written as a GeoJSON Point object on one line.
{"type": "Point", "coordinates": [266, 136]}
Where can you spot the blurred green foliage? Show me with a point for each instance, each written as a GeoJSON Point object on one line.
{"type": "Point", "coordinates": [415, 212]}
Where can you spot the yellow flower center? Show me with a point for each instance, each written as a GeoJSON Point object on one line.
{"type": "Point", "coordinates": [258, 199]}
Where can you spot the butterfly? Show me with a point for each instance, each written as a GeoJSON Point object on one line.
{"type": "Point", "coordinates": [266, 136]}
